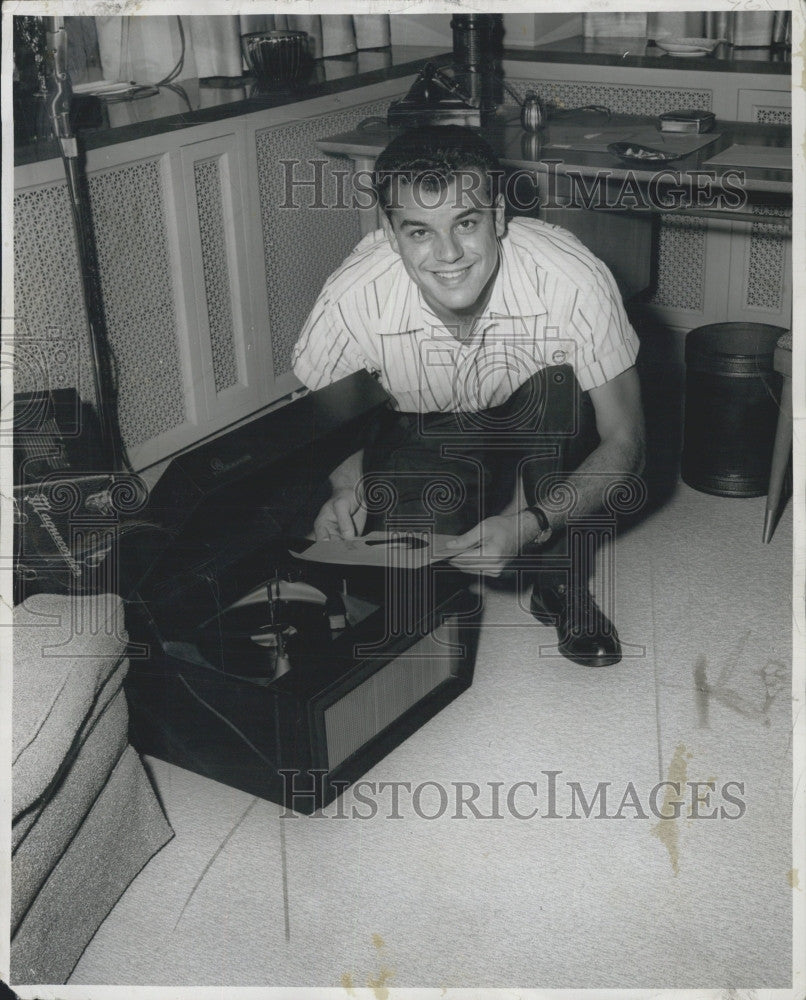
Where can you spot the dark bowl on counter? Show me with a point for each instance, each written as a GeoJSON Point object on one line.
{"type": "Point", "coordinates": [277, 56]}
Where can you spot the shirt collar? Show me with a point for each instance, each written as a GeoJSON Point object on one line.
{"type": "Point", "coordinates": [512, 296]}
{"type": "Point", "coordinates": [513, 293]}
{"type": "Point", "coordinates": [402, 311]}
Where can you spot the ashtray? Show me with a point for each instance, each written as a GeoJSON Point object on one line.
{"type": "Point", "coordinates": [635, 152]}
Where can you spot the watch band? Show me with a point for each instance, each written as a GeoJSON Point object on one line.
{"type": "Point", "coordinates": [542, 520]}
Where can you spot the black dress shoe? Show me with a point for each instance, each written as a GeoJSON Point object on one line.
{"type": "Point", "coordinates": [585, 634]}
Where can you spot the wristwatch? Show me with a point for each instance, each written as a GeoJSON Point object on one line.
{"type": "Point", "coordinates": [543, 523]}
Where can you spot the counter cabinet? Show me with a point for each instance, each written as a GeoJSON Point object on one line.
{"type": "Point", "coordinates": [209, 263]}
{"type": "Point", "coordinates": [704, 270]}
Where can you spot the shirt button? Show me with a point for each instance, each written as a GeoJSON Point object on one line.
{"type": "Point", "coordinates": [558, 357]}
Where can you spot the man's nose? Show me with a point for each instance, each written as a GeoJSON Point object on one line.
{"type": "Point", "coordinates": [447, 248]}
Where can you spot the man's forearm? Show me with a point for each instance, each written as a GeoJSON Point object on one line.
{"type": "Point", "coordinates": [620, 452]}
{"type": "Point", "coordinates": [348, 475]}
{"type": "Point", "coordinates": [604, 465]}
{"type": "Point", "coordinates": [587, 484]}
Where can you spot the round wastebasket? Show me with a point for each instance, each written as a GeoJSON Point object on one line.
{"type": "Point", "coordinates": [731, 408]}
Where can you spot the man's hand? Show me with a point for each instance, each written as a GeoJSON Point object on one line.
{"type": "Point", "coordinates": [488, 547]}
{"type": "Point", "coordinates": [342, 516]}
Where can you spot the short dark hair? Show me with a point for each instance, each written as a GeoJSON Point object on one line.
{"type": "Point", "coordinates": [432, 155]}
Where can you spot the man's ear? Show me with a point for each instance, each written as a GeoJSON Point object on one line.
{"type": "Point", "coordinates": [499, 210]}
{"type": "Point", "coordinates": [389, 231]}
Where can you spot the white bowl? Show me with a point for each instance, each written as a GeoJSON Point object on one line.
{"type": "Point", "coordinates": [688, 46]}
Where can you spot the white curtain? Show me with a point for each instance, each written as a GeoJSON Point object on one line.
{"type": "Point", "coordinates": [748, 27]}
{"type": "Point", "coordinates": [146, 49]}
{"type": "Point", "coordinates": [615, 25]}
{"type": "Point", "coordinates": [751, 28]}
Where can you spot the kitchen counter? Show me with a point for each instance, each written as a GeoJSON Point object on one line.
{"type": "Point", "coordinates": [644, 54]}
{"type": "Point", "coordinates": [195, 102]}
{"type": "Point", "coordinates": [551, 152]}
{"type": "Point", "coordinates": [192, 102]}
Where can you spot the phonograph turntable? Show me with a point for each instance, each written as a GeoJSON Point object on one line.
{"type": "Point", "coordinates": [271, 672]}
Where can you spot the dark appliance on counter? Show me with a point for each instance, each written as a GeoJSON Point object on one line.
{"type": "Point", "coordinates": [467, 91]}
{"type": "Point", "coordinates": [277, 675]}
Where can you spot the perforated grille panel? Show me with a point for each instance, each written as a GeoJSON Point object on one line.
{"type": "Point", "coordinates": [681, 263]}
{"type": "Point", "coordinates": [215, 266]}
{"type": "Point", "coordinates": [129, 212]}
{"type": "Point", "coordinates": [773, 116]}
{"type": "Point", "coordinates": [315, 240]}
{"type": "Point", "coordinates": [373, 705]}
{"type": "Point", "coordinates": [48, 304]}
{"type": "Point", "coordinates": [622, 99]}
{"type": "Point", "coordinates": [766, 262]}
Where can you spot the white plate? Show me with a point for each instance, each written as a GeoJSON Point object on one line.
{"type": "Point", "coordinates": [688, 46]}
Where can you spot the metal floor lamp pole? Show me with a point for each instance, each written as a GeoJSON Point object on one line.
{"type": "Point", "coordinates": [59, 100]}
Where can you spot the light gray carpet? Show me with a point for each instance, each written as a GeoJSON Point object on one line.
{"type": "Point", "coordinates": [241, 897]}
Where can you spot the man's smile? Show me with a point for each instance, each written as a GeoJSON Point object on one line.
{"type": "Point", "coordinates": [452, 277]}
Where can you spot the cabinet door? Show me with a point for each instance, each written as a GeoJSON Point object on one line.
{"type": "Point", "coordinates": [140, 238]}
{"type": "Point", "coordinates": [692, 259]}
{"type": "Point", "coordinates": [140, 246]}
{"type": "Point", "coordinates": [767, 107]}
{"type": "Point", "coordinates": [228, 343]}
{"type": "Point", "coordinates": [169, 215]}
{"type": "Point", "coordinates": [307, 222]}
{"type": "Point", "coordinates": [760, 289]}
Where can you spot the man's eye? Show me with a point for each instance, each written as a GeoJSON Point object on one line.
{"type": "Point", "coordinates": [418, 234]}
{"type": "Point", "coordinates": [466, 225]}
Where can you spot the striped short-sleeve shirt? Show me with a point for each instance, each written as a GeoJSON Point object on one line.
{"type": "Point", "coordinates": [552, 302]}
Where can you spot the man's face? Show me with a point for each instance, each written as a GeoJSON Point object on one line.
{"type": "Point", "coordinates": [447, 238]}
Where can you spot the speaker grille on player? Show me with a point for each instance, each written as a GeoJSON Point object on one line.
{"type": "Point", "coordinates": [383, 697]}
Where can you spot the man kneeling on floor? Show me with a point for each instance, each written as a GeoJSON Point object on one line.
{"type": "Point", "coordinates": [510, 362]}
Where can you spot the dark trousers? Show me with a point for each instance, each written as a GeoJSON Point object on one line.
{"type": "Point", "coordinates": [447, 471]}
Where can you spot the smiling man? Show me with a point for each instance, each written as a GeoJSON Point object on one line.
{"type": "Point", "coordinates": [510, 362]}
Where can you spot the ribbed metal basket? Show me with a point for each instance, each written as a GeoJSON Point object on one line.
{"type": "Point", "coordinates": [276, 56]}
{"type": "Point", "coordinates": [731, 408]}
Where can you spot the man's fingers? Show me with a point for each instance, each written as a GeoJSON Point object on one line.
{"type": "Point", "coordinates": [479, 553]}
{"type": "Point", "coordinates": [470, 539]}
{"type": "Point", "coordinates": [321, 531]}
{"type": "Point", "coordinates": [344, 518]}
{"type": "Point", "coordinates": [360, 520]}
{"type": "Point", "coordinates": [473, 562]}
{"type": "Point", "coordinates": [326, 525]}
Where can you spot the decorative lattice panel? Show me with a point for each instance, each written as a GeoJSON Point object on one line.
{"type": "Point", "coordinates": [314, 241]}
{"type": "Point", "coordinates": [51, 335]}
{"type": "Point", "coordinates": [764, 281]}
{"type": "Point", "coordinates": [620, 98]}
{"type": "Point", "coordinates": [129, 213]}
{"type": "Point", "coordinates": [681, 263]}
{"type": "Point", "coordinates": [215, 267]}
{"type": "Point", "coordinates": [772, 116]}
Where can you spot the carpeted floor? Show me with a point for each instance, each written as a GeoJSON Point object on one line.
{"type": "Point", "coordinates": [244, 898]}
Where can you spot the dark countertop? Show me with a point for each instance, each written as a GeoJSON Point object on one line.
{"type": "Point", "coordinates": [194, 102]}
{"type": "Point", "coordinates": [535, 153]}
{"type": "Point", "coordinates": [637, 52]}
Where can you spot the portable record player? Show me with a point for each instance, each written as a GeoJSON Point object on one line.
{"type": "Point", "coordinates": [282, 676]}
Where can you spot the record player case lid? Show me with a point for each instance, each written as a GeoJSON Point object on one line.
{"type": "Point", "coordinates": [326, 424]}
